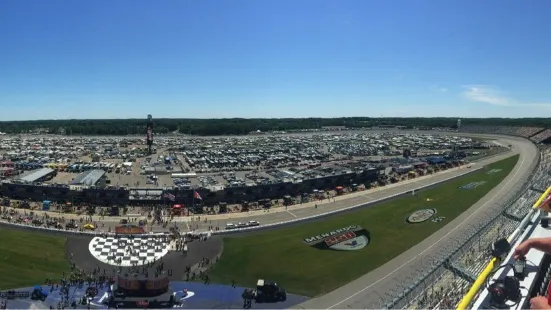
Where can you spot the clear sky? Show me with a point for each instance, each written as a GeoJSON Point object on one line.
{"type": "Point", "coordinates": [280, 58]}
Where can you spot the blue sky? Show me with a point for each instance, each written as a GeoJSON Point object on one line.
{"type": "Point", "coordinates": [281, 58]}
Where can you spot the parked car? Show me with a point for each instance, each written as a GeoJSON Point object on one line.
{"type": "Point", "coordinates": [253, 223]}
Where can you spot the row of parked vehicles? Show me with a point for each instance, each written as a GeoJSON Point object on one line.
{"type": "Point", "coordinates": [242, 225]}
{"type": "Point", "coordinates": [107, 167]}
{"type": "Point", "coordinates": [75, 168]}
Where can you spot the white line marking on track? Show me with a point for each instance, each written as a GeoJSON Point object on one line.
{"type": "Point", "coordinates": [432, 245]}
{"type": "Point", "coordinates": [291, 213]}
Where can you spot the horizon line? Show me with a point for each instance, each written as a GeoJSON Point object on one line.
{"type": "Point", "coordinates": [267, 118]}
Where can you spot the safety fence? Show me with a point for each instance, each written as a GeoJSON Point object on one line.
{"type": "Point", "coordinates": [421, 291]}
{"type": "Point", "coordinates": [480, 280]}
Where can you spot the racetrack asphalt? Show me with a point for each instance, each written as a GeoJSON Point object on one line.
{"type": "Point", "coordinates": [366, 290]}
{"type": "Point", "coordinates": [369, 289]}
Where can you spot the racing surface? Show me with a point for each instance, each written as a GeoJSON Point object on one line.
{"type": "Point", "coordinates": [366, 291]}
{"type": "Point", "coordinates": [199, 296]}
{"type": "Point", "coordinates": [369, 289]}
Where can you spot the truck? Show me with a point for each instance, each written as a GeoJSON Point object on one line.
{"type": "Point", "coordinates": [38, 294]}
{"type": "Point", "coordinates": [268, 291]}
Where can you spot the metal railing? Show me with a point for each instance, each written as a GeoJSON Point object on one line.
{"type": "Point", "coordinates": [494, 262]}
{"type": "Point", "coordinates": [472, 237]}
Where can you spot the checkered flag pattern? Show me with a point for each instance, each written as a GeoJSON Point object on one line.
{"type": "Point", "coordinates": [127, 252]}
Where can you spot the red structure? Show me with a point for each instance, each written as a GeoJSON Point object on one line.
{"type": "Point", "coordinates": [129, 230]}
{"type": "Point", "coordinates": [179, 210]}
{"type": "Point", "coordinates": [7, 164]}
{"type": "Point", "coordinates": [7, 172]}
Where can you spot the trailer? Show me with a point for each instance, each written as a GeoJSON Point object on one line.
{"type": "Point", "coordinates": [183, 175]}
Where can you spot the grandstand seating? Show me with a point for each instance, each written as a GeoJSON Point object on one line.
{"type": "Point", "coordinates": [448, 289]}
{"type": "Point", "coordinates": [520, 208]}
{"type": "Point", "coordinates": [528, 131]}
{"type": "Point", "coordinates": [446, 292]}
{"type": "Point", "coordinates": [542, 136]}
{"type": "Point", "coordinates": [525, 132]}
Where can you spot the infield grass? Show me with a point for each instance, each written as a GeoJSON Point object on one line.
{"type": "Point", "coordinates": [282, 256]}
{"type": "Point", "coordinates": [28, 258]}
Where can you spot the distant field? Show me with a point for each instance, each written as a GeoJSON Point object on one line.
{"type": "Point", "coordinates": [28, 258]}
{"type": "Point", "coordinates": [281, 255]}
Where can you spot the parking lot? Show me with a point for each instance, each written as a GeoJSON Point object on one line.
{"type": "Point", "coordinates": [217, 163]}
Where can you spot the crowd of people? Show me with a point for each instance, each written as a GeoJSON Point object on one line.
{"type": "Point", "coordinates": [536, 134]}
{"type": "Point", "coordinates": [452, 288]}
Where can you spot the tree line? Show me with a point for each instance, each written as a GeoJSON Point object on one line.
{"type": "Point", "coordinates": [240, 126]}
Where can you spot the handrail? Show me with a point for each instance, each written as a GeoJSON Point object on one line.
{"type": "Point", "coordinates": [481, 279]}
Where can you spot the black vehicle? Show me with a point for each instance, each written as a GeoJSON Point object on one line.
{"type": "Point", "coordinates": [71, 225]}
{"type": "Point", "coordinates": [37, 222]}
{"type": "Point", "coordinates": [38, 294]}
{"type": "Point", "coordinates": [54, 224]}
{"type": "Point", "coordinates": [269, 291]}
{"type": "Point", "coordinates": [123, 221]}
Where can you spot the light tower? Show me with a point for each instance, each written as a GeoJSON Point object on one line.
{"type": "Point", "coordinates": [459, 124]}
{"type": "Point", "coordinates": [149, 133]}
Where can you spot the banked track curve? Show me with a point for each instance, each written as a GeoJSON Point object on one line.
{"type": "Point", "coordinates": [366, 290]}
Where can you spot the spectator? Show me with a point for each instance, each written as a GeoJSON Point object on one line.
{"type": "Point", "coordinates": [541, 244]}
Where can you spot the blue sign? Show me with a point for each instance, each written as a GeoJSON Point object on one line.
{"type": "Point", "coordinates": [46, 205]}
{"type": "Point", "coordinates": [472, 185]}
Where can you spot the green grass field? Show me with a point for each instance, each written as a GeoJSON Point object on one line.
{"type": "Point", "coordinates": [28, 258]}
{"type": "Point", "coordinates": [281, 255]}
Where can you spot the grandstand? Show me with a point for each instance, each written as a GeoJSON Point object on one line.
{"type": "Point", "coordinates": [525, 132]}
{"type": "Point", "coordinates": [536, 280]}
{"type": "Point", "coordinates": [542, 136]}
{"type": "Point", "coordinates": [450, 275]}
{"type": "Point", "coordinates": [443, 294]}
{"type": "Point", "coordinates": [520, 208]}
